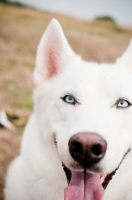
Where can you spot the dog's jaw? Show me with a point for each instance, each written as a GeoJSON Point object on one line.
{"type": "Point", "coordinates": [87, 182]}
{"type": "Point", "coordinates": [82, 179]}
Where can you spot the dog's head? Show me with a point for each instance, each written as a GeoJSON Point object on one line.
{"type": "Point", "coordinates": [84, 108]}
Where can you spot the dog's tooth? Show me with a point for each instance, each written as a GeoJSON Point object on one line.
{"type": "Point", "coordinates": [102, 177]}
{"type": "Point", "coordinates": [101, 180]}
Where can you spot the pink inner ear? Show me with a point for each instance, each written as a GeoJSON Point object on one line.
{"type": "Point", "coordinates": [52, 56]}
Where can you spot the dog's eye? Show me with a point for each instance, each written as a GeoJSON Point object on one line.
{"type": "Point", "coordinates": [122, 103]}
{"type": "Point", "coordinates": [69, 99]}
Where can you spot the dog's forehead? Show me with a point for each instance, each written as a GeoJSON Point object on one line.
{"type": "Point", "coordinates": [94, 73]}
{"type": "Point", "coordinates": [97, 79]}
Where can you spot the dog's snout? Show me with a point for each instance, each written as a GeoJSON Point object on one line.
{"type": "Point", "coordinates": [87, 148]}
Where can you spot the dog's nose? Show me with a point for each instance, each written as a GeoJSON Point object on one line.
{"type": "Point", "coordinates": [87, 148]}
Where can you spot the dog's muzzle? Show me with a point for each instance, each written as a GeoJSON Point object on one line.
{"type": "Point", "coordinates": [87, 149]}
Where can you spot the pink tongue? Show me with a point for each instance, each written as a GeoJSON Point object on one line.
{"type": "Point", "coordinates": [84, 187]}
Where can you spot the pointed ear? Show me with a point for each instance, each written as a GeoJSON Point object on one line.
{"type": "Point", "coordinates": [126, 58]}
{"type": "Point", "coordinates": [53, 53]}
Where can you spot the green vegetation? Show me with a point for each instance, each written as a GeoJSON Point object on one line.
{"type": "Point", "coordinates": [31, 65]}
{"type": "Point", "coordinates": [105, 18]}
{"type": "Point", "coordinates": [12, 91]}
{"type": "Point", "coordinates": [12, 61]}
{"type": "Point", "coordinates": [12, 3]}
{"type": "Point", "coordinates": [4, 1]}
{"type": "Point", "coordinates": [27, 104]}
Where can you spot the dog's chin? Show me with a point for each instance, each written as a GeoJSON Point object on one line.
{"type": "Point", "coordinates": [104, 178]}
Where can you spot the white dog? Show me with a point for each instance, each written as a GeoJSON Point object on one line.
{"type": "Point", "coordinates": [77, 144]}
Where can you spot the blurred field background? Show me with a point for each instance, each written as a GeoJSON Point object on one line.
{"type": "Point", "coordinates": [20, 31]}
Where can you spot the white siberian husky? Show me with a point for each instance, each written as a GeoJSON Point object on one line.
{"type": "Point", "coordinates": [78, 140]}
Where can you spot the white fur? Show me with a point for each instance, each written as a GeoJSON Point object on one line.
{"type": "Point", "coordinates": [37, 173]}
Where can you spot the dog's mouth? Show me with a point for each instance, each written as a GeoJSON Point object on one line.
{"type": "Point", "coordinates": [83, 185]}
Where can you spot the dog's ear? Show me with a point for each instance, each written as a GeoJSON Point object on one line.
{"type": "Point", "coordinates": [126, 58]}
{"type": "Point", "coordinates": [53, 53]}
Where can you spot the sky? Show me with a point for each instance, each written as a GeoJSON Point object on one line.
{"type": "Point", "coordinates": [120, 10]}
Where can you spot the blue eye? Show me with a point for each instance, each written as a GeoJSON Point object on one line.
{"type": "Point", "coordinates": [69, 99]}
{"type": "Point", "coordinates": [122, 103]}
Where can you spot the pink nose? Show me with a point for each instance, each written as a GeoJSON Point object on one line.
{"type": "Point", "coordinates": [87, 148]}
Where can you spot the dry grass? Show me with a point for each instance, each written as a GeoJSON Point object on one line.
{"type": "Point", "coordinates": [20, 31]}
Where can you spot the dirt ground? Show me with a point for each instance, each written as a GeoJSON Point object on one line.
{"type": "Point", "coordinates": [20, 32]}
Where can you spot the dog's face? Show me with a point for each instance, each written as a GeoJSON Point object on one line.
{"type": "Point", "coordinates": [84, 109]}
